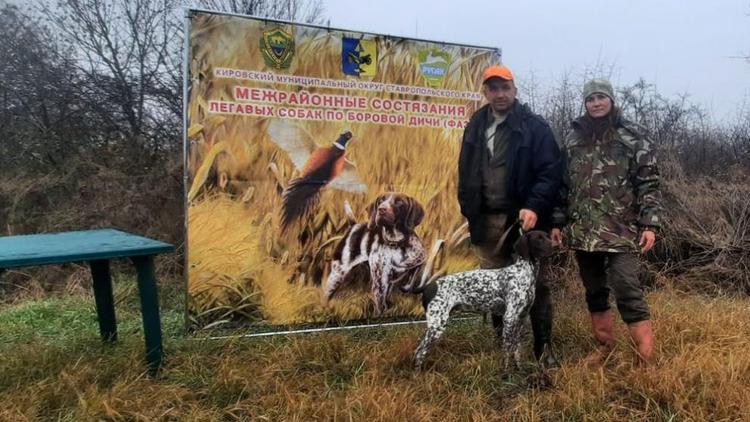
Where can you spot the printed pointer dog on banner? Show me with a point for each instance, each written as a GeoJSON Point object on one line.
{"type": "Point", "coordinates": [319, 167]}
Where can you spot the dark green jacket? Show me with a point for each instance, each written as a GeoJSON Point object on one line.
{"type": "Point", "coordinates": [610, 191]}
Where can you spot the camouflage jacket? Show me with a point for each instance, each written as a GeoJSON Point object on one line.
{"type": "Point", "coordinates": [610, 190]}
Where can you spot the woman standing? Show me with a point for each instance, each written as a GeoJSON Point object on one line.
{"type": "Point", "coordinates": [610, 214]}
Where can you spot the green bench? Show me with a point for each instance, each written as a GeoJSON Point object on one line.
{"type": "Point", "coordinates": [97, 247]}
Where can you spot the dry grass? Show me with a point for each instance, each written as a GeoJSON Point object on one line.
{"type": "Point", "coordinates": [241, 229]}
{"type": "Point", "coordinates": [707, 229]}
{"type": "Point", "coordinates": [702, 371]}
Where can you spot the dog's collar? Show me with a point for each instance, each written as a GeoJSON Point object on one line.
{"type": "Point", "coordinates": [394, 243]}
{"type": "Point", "coordinates": [391, 240]}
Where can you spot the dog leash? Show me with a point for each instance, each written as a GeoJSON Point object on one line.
{"type": "Point", "coordinates": [501, 242]}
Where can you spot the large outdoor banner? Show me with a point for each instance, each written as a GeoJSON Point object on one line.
{"type": "Point", "coordinates": [321, 171]}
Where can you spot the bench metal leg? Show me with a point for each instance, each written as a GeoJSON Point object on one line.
{"type": "Point", "coordinates": [144, 265]}
{"type": "Point", "coordinates": [105, 306]}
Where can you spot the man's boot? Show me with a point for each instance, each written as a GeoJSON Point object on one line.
{"type": "Point", "coordinates": [603, 326]}
{"type": "Point", "coordinates": [643, 337]}
{"type": "Point", "coordinates": [545, 355]}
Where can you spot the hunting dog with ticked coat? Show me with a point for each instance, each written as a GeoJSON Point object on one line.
{"type": "Point", "coordinates": [387, 243]}
{"type": "Point", "coordinates": [507, 291]}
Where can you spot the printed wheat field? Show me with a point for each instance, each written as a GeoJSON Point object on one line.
{"type": "Point", "coordinates": [240, 266]}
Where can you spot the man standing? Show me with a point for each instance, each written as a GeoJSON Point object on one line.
{"type": "Point", "coordinates": [509, 169]}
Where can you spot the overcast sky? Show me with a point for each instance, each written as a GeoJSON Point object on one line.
{"type": "Point", "coordinates": [682, 46]}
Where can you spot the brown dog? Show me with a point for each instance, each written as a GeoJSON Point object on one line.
{"type": "Point", "coordinates": [387, 243]}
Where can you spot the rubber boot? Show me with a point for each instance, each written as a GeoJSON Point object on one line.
{"type": "Point", "coordinates": [603, 326]}
{"type": "Point", "coordinates": [643, 337]}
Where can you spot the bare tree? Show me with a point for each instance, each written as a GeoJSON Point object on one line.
{"type": "Point", "coordinates": [91, 108]}
{"type": "Point", "coordinates": [562, 104]}
{"type": "Point", "coordinates": [291, 10]}
{"type": "Point", "coordinates": [130, 53]}
{"type": "Point", "coordinates": [530, 89]}
{"type": "Point", "coordinates": [43, 113]}
{"type": "Point", "coordinates": [739, 136]}
{"type": "Point", "coordinates": [123, 50]}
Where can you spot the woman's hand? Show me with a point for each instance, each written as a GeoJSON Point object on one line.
{"type": "Point", "coordinates": [648, 238]}
{"type": "Point", "coordinates": [555, 236]}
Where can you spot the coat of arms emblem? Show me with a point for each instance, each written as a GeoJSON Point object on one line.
{"type": "Point", "coordinates": [277, 47]}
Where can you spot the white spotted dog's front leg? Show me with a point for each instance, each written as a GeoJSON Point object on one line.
{"type": "Point", "coordinates": [428, 339]}
{"type": "Point", "coordinates": [437, 320]}
{"type": "Point", "coordinates": [512, 335]}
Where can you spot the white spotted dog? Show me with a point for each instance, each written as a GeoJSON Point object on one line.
{"type": "Point", "coordinates": [507, 291]}
{"type": "Point", "coordinates": [387, 243]}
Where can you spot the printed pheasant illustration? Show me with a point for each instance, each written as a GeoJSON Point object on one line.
{"type": "Point", "coordinates": [318, 167]}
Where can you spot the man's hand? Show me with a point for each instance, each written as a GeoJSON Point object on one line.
{"type": "Point", "coordinates": [528, 218]}
{"type": "Point", "coordinates": [648, 238]}
{"type": "Point", "coordinates": [555, 235]}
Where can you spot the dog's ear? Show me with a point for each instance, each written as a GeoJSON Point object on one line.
{"type": "Point", "coordinates": [414, 213]}
{"type": "Point", "coordinates": [521, 247]}
{"type": "Point", "coordinates": [541, 245]}
{"type": "Point", "coordinates": [372, 212]}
